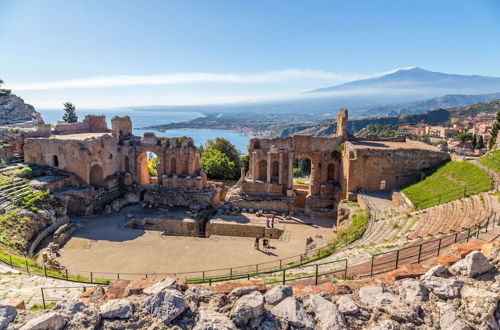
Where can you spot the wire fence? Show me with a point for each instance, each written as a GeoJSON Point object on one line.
{"type": "Point", "coordinates": [390, 260]}
{"type": "Point", "coordinates": [452, 195]}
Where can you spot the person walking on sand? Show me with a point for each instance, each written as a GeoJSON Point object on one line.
{"type": "Point", "coordinates": [256, 243]}
{"type": "Point", "coordinates": [267, 223]}
{"type": "Point", "coordinates": [273, 221]}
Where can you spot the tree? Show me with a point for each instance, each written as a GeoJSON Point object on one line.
{"type": "Point", "coordinates": [474, 142]}
{"type": "Point", "coordinates": [69, 113]}
{"type": "Point", "coordinates": [153, 167]}
{"type": "Point", "coordinates": [464, 137]}
{"type": "Point", "coordinates": [480, 143]}
{"type": "Point", "coordinates": [494, 132]}
{"type": "Point", "coordinates": [217, 165]}
{"type": "Point", "coordinates": [229, 150]}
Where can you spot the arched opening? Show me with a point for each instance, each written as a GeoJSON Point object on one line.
{"type": "Point", "coordinates": [302, 170]}
{"type": "Point", "coordinates": [126, 164]}
{"type": "Point", "coordinates": [331, 172]}
{"type": "Point", "coordinates": [173, 166]}
{"type": "Point", "coordinates": [262, 170]}
{"type": "Point", "coordinates": [96, 176]}
{"type": "Point", "coordinates": [55, 161]}
{"type": "Point", "coordinates": [149, 165]}
{"type": "Point", "coordinates": [275, 171]}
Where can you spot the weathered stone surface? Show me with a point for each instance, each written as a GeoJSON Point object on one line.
{"type": "Point", "coordinates": [211, 320]}
{"type": "Point", "coordinates": [116, 289]}
{"type": "Point", "coordinates": [449, 318]}
{"type": "Point", "coordinates": [347, 305]}
{"type": "Point", "coordinates": [52, 321]}
{"type": "Point", "coordinates": [78, 314]}
{"type": "Point", "coordinates": [291, 311]}
{"type": "Point", "coordinates": [491, 250]}
{"type": "Point", "coordinates": [326, 313]}
{"type": "Point", "coordinates": [14, 111]}
{"type": "Point", "coordinates": [408, 271]}
{"type": "Point", "coordinates": [386, 325]}
{"type": "Point", "coordinates": [93, 295]}
{"type": "Point", "coordinates": [436, 271]}
{"type": "Point", "coordinates": [7, 315]}
{"type": "Point", "coordinates": [138, 285]}
{"type": "Point", "coordinates": [197, 294]}
{"type": "Point", "coordinates": [277, 294]}
{"type": "Point", "coordinates": [117, 309]}
{"type": "Point", "coordinates": [479, 301]}
{"type": "Point", "coordinates": [238, 292]}
{"type": "Point", "coordinates": [463, 249]}
{"type": "Point", "coordinates": [446, 259]}
{"type": "Point", "coordinates": [475, 263]}
{"type": "Point", "coordinates": [248, 307]}
{"type": "Point", "coordinates": [413, 291]}
{"type": "Point", "coordinates": [18, 303]}
{"type": "Point", "coordinates": [374, 296]}
{"type": "Point", "coordinates": [227, 287]}
{"type": "Point", "coordinates": [164, 283]}
{"type": "Point", "coordinates": [444, 288]}
{"type": "Point", "coordinates": [166, 305]}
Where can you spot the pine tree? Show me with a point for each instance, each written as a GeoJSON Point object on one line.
{"type": "Point", "coordinates": [494, 132]}
{"type": "Point", "coordinates": [480, 143]}
{"type": "Point", "coordinates": [69, 113]}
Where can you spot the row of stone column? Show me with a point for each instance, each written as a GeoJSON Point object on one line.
{"type": "Point", "coordinates": [269, 167]}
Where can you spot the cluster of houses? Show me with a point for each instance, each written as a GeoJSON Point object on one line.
{"type": "Point", "coordinates": [465, 136]}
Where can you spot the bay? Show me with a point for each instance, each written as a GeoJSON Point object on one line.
{"type": "Point", "coordinates": [143, 118]}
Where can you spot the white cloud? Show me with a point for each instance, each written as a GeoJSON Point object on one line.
{"type": "Point", "coordinates": [283, 76]}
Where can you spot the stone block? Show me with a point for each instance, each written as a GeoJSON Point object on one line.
{"type": "Point", "coordinates": [446, 259]}
{"type": "Point", "coordinates": [463, 249]}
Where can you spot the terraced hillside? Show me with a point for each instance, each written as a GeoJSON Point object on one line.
{"type": "Point", "coordinates": [447, 183]}
{"type": "Point", "coordinates": [19, 203]}
{"type": "Point", "coordinates": [492, 161]}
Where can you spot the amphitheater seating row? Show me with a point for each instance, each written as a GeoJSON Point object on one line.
{"type": "Point", "coordinates": [452, 216]}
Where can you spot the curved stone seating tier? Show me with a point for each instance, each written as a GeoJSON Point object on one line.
{"type": "Point", "coordinates": [453, 216]}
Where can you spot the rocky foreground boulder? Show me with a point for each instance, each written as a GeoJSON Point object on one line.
{"type": "Point", "coordinates": [464, 295]}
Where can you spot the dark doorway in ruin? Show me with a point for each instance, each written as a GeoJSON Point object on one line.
{"type": "Point", "coordinates": [126, 164]}
{"type": "Point", "coordinates": [331, 172]}
{"type": "Point", "coordinates": [262, 170]}
{"type": "Point", "coordinates": [173, 166]}
{"type": "Point", "coordinates": [149, 168]}
{"type": "Point", "coordinates": [275, 172]}
{"type": "Point", "coordinates": [96, 176]}
{"type": "Point", "coordinates": [55, 161]}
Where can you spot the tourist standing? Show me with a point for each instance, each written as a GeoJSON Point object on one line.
{"type": "Point", "coordinates": [256, 243]}
{"type": "Point", "coordinates": [273, 221]}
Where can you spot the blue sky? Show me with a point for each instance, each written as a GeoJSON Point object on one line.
{"type": "Point", "coordinates": [119, 53]}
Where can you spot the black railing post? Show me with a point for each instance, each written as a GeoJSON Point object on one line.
{"type": "Point", "coordinates": [371, 268]}
{"type": "Point", "coordinates": [91, 277]}
{"type": "Point", "coordinates": [345, 270]}
{"type": "Point", "coordinates": [27, 268]}
{"type": "Point", "coordinates": [280, 264]}
{"type": "Point", "coordinates": [45, 270]}
{"type": "Point", "coordinates": [284, 277]}
{"type": "Point", "coordinates": [203, 275]}
{"type": "Point", "coordinates": [439, 246]}
{"type": "Point", "coordinates": [43, 298]}
{"type": "Point", "coordinates": [419, 253]}
{"type": "Point", "coordinates": [456, 236]}
{"type": "Point", "coordinates": [10, 257]}
{"type": "Point", "coordinates": [66, 271]}
{"type": "Point", "coordinates": [468, 234]}
{"type": "Point", "coordinates": [316, 276]}
{"type": "Point", "coordinates": [397, 259]}
{"type": "Point", "coordinates": [231, 273]}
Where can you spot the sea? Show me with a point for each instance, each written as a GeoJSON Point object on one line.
{"type": "Point", "coordinates": [143, 118]}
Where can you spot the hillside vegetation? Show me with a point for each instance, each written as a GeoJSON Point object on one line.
{"type": "Point", "coordinates": [447, 183]}
{"type": "Point", "coordinates": [492, 161]}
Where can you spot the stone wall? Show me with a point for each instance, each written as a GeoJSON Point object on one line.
{"type": "Point", "coordinates": [233, 228]}
{"type": "Point", "coordinates": [185, 227]}
{"type": "Point", "coordinates": [374, 169]}
{"type": "Point", "coordinates": [91, 124]}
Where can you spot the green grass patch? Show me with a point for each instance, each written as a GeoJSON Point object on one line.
{"type": "Point", "coordinates": [492, 161]}
{"type": "Point", "coordinates": [447, 183]}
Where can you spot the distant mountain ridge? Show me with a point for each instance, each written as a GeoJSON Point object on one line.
{"type": "Point", "coordinates": [415, 78]}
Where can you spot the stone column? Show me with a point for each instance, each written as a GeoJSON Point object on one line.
{"type": "Point", "coordinates": [242, 178]}
{"type": "Point", "coordinates": [254, 166]}
{"type": "Point", "coordinates": [290, 171]}
{"type": "Point", "coordinates": [280, 177]}
{"type": "Point", "coordinates": [269, 166]}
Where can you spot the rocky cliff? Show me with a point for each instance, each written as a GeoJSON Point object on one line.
{"type": "Point", "coordinates": [13, 111]}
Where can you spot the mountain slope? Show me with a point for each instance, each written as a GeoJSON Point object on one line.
{"type": "Point", "coordinates": [414, 79]}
